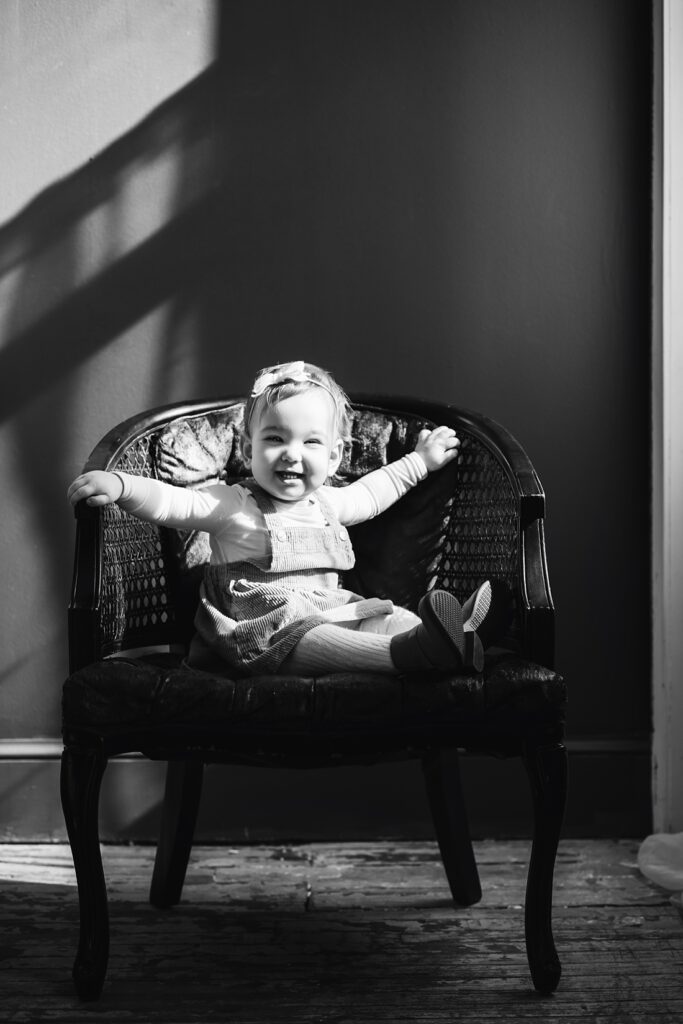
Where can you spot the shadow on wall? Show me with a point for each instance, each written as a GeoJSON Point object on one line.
{"type": "Point", "coordinates": [44, 245]}
{"type": "Point", "coordinates": [85, 262]}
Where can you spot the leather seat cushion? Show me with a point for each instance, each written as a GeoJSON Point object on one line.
{"type": "Point", "coordinates": [117, 695]}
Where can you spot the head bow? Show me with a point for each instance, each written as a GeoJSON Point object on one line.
{"type": "Point", "coordinates": [284, 372]}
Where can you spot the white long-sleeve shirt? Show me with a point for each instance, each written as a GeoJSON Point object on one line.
{"type": "Point", "coordinates": [237, 528]}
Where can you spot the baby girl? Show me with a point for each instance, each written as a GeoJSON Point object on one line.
{"type": "Point", "coordinates": [271, 599]}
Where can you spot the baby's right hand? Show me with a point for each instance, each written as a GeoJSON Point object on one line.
{"type": "Point", "coordinates": [96, 487]}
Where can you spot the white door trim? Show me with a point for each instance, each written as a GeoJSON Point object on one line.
{"type": "Point", "coordinates": [667, 406]}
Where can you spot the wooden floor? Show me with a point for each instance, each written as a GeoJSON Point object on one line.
{"type": "Point", "coordinates": [341, 934]}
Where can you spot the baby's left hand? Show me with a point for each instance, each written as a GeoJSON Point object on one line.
{"type": "Point", "coordinates": [437, 447]}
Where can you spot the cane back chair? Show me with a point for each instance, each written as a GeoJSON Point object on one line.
{"type": "Point", "coordinates": [130, 620]}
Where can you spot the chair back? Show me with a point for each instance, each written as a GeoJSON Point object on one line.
{"type": "Point", "coordinates": [135, 584]}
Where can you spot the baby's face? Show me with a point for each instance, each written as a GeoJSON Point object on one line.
{"type": "Point", "coordinates": [293, 446]}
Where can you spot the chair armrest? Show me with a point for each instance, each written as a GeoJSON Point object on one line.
{"type": "Point", "coordinates": [123, 594]}
{"type": "Point", "coordinates": [535, 603]}
{"type": "Point", "coordinates": [84, 620]}
{"type": "Point", "coordinates": [123, 597]}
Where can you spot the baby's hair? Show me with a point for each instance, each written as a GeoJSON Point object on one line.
{"type": "Point", "coordinates": [274, 384]}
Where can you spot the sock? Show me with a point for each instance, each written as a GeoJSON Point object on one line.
{"type": "Point", "coordinates": [330, 648]}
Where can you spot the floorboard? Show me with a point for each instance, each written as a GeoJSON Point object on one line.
{"type": "Point", "coordinates": [358, 933]}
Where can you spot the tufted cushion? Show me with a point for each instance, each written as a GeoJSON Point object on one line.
{"type": "Point", "coordinates": [201, 449]}
{"type": "Point", "coordinates": [125, 695]}
{"type": "Point", "coordinates": [197, 452]}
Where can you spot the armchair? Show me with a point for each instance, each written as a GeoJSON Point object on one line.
{"type": "Point", "coordinates": [130, 620]}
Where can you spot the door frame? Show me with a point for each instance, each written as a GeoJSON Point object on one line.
{"type": "Point", "coordinates": [667, 418]}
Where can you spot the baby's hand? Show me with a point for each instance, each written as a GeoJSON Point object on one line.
{"type": "Point", "coordinates": [96, 487]}
{"type": "Point", "coordinates": [437, 447]}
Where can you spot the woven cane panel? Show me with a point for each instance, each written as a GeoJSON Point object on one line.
{"type": "Point", "coordinates": [136, 608]}
{"type": "Point", "coordinates": [482, 536]}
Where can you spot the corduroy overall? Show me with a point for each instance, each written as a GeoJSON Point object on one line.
{"type": "Point", "coordinates": [252, 616]}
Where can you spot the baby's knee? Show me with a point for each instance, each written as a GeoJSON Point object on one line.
{"type": "Point", "coordinates": [398, 621]}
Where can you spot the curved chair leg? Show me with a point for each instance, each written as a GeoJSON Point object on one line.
{"type": "Point", "coordinates": [444, 790]}
{"type": "Point", "coordinates": [178, 818]}
{"type": "Point", "coordinates": [547, 770]}
{"type": "Point", "coordinates": [81, 776]}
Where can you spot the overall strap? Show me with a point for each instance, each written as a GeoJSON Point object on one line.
{"type": "Point", "coordinates": [304, 547]}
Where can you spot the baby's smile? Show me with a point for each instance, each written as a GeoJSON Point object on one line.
{"type": "Point", "coordinates": [289, 474]}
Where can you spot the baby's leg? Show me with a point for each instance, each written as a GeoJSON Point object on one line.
{"type": "Point", "coordinates": [333, 648]}
{"type": "Point", "coordinates": [362, 646]}
{"type": "Point", "coordinates": [395, 642]}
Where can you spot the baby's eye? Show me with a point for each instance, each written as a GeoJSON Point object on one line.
{"type": "Point", "coordinates": [273, 438]}
{"type": "Point", "coordinates": [314, 440]}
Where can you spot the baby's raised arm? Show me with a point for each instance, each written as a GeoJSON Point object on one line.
{"type": "Point", "coordinates": [376, 491]}
{"type": "Point", "coordinates": [154, 501]}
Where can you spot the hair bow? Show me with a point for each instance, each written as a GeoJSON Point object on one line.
{"type": "Point", "coordinates": [285, 371]}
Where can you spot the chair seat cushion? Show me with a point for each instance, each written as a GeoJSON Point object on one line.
{"type": "Point", "coordinates": [163, 698]}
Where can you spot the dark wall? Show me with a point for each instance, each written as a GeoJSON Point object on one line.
{"type": "Point", "coordinates": [453, 198]}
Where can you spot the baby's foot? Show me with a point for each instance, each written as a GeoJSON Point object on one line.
{"type": "Point", "coordinates": [488, 611]}
{"type": "Point", "coordinates": [438, 641]}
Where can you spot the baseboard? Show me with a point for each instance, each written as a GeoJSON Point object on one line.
{"type": "Point", "coordinates": [609, 795]}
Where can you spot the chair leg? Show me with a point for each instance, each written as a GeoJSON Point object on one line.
{"type": "Point", "coordinates": [444, 790]}
{"type": "Point", "coordinates": [81, 776]}
{"type": "Point", "coordinates": [546, 767]}
{"type": "Point", "coordinates": [178, 818]}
